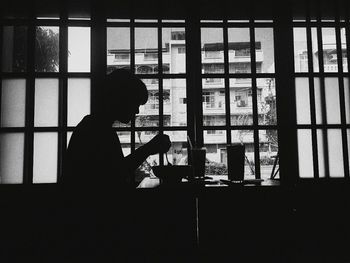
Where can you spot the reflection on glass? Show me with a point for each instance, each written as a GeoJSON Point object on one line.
{"type": "Point", "coordinates": [320, 153]}
{"type": "Point", "coordinates": [265, 58]}
{"type": "Point", "coordinates": [268, 148]}
{"type": "Point", "coordinates": [216, 154]}
{"type": "Point", "coordinates": [306, 168]}
{"type": "Point", "coordinates": [239, 50]}
{"type": "Point", "coordinates": [47, 49]}
{"type": "Point", "coordinates": [11, 158]}
{"type": "Point", "coordinates": [335, 153]}
{"type": "Point", "coordinates": [174, 50]}
{"type": "Point", "coordinates": [330, 60]}
{"type": "Point", "coordinates": [13, 97]}
{"type": "Point", "coordinates": [125, 140]}
{"type": "Point", "coordinates": [46, 102]}
{"type": "Point", "coordinates": [241, 102]}
{"type": "Point", "coordinates": [213, 100]}
{"type": "Point", "coordinates": [212, 50]}
{"type": "Point", "coordinates": [45, 157]}
{"type": "Point", "coordinates": [246, 137]}
{"type": "Point", "coordinates": [314, 40]}
{"type": "Point", "coordinates": [267, 108]}
{"type": "Point", "coordinates": [318, 101]}
{"type": "Point", "coordinates": [347, 99]}
{"type": "Point", "coordinates": [177, 154]}
{"type": "Point", "coordinates": [78, 100]}
{"type": "Point", "coordinates": [146, 50]}
{"type": "Point", "coordinates": [118, 48]}
{"type": "Point", "coordinates": [343, 49]}
{"type": "Point", "coordinates": [332, 100]}
{"type": "Point", "coordinates": [302, 100]}
{"type": "Point", "coordinates": [79, 49]}
{"type": "Point", "coordinates": [174, 102]}
{"type": "Point", "coordinates": [14, 49]}
{"type": "Point", "coordinates": [149, 112]}
{"type": "Point", "coordinates": [300, 50]}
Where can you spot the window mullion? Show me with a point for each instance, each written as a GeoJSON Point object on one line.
{"type": "Point", "coordinates": [227, 84]}
{"type": "Point", "coordinates": [132, 69]}
{"type": "Point", "coordinates": [160, 86]}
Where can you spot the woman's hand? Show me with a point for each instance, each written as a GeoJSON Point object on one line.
{"type": "Point", "coordinates": [159, 144]}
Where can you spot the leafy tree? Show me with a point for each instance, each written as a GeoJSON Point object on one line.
{"type": "Point", "coordinates": [46, 50]}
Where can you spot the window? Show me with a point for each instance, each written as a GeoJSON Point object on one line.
{"type": "Point", "coordinates": [322, 98]}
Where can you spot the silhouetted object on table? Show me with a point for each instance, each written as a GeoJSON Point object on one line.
{"type": "Point", "coordinates": [94, 154]}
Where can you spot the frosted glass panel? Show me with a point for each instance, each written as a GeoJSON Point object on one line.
{"type": "Point", "coordinates": [332, 100]}
{"type": "Point", "coordinates": [79, 49]}
{"type": "Point", "coordinates": [78, 100]}
{"type": "Point", "coordinates": [46, 102]}
{"type": "Point", "coordinates": [318, 104]}
{"type": "Point", "coordinates": [265, 58]}
{"type": "Point", "coordinates": [306, 169]}
{"type": "Point", "coordinates": [347, 99]}
{"type": "Point", "coordinates": [11, 158]}
{"type": "Point", "coordinates": [320, 152]}
{"type": "Point", "coordinates": [315, 48]}
{"type": "Point", "coordinates": [13, 98]}
{"type": "Point", "coordinates": [302, 98]}
{"type": "Point", "coordinates": [335, 153]}
{"type": "Point", "coordinates": [45, 158]}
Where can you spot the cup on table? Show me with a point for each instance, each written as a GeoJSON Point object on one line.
{"type": "Point", "coordinates": [235, 162]}
{"type": "Point", "coordinates": [197, 159]}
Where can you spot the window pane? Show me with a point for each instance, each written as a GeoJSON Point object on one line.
{"type": "Point", "coordinates": [46, 102]}
{"type": "Point", "coordinates": [241, 102]}
{"type": "Point", "coordinates": [177, 153]}
{"type": "Point", "coordinates": [174, 102]}
{"type": "Point", "coordinates": [216, 154]}
{"type": "Point", "coordinates": [347, 99]}
{"type": "Point", "coordinates": [146, 50]}
{"type": "Point", "coordinates": [320, 152]}
{"type": "Point", "coordinates": [212, 50]}
{"type": "Point", "coordinates": [149, 113]}
{"type": "Point", "coordinates": [141, 138]}
{"type": "Point", "coordinates": [69, 135]}
{"type": "Point", "coordinates": [343, 49]}
{"type": "Point", "coordinates": [268, 148]}
{"type": "Point", "coordinates": [335, 153]}
{"type": "Point", "coordinates": [246, 137]}
{"type": "Point", "coordinates": [300, 50]}
{"type": "Point", "coordinates": [318, 101]}
{"type": "Point", "coordinates": [239, 50]}
{"type": "Point", "coordinates": [79, 97]}
{"type": "Point", "coordinates": [332, 100]}
{"type": "Point", "coordinates": [306, 168]}
{"type": "Point", "coordinates": [118, 48]}
{"type": "Point", "coordinates": [213, 99]}
{"type": "Point", "coordinates": [125, 140]}
{"type": "Point", "coordinates": [11, 158]}
{"type": "Point", "coordinates": [330, 60]}
{"type": "Point", "coordinates": [314, 40]}
{"type": "Point", "coordinates": [174, 50]}
{"type": "Point", "coordinates": [13, 97]}
{"type": "Point", "coordinates": [45, 158]}
{"type": "Point", "coordinates": [79, 49]}
{"type": "Point", "coordinates": [266, 92]}
{"type": "Point", "coordinates": [302, 100]}
{"type": "Point", "coordinates": [264, 49]}
{"type": "Point", "coordinates": [14, 49]}
{"type": "Point", "coordinates": [47, 49]}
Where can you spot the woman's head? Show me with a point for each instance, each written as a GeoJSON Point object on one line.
{"type": "Point", "coordinates": [124, 93]}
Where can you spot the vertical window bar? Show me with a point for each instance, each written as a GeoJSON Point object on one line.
{"type": "Point", "coordinates": [255, 99]}
{"type": "Point", "coordinates": [312, 92]}
{"type": "Point", "coordinates": [341, 92]}
{"type": "Point", "coordinates": [29, 115]}
{"type": "Point", "coordinates": [227, 84]}
{"type": "Point", "coordinates": [62, 117]}
{"type": "Point", "coordinates": [160, 81]}
{"type": "Point", "coordinates": [1, 69]}
{"type": "Point", "coordinates": [322, 86]}
{"type": "Point", "coordinates": [132, 69]}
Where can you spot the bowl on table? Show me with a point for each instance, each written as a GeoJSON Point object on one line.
{"type": "Point", "coordinates": [172, 174]}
